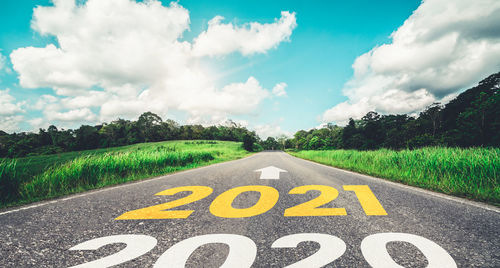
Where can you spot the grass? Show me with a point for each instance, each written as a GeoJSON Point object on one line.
{"type": "Point", "coordinates": [471, 173]}
{"type": "Point", "coordinates": [30, 179]}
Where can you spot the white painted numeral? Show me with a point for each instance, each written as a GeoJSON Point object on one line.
{"type": "Point", "coordinates": [137, 245]}
{"type": "Point", "coordinates": [331, 248]}
{"type": "Point", "coordinates": [242, 251]}
{"type": "Point", "coordinates": [375, 252]}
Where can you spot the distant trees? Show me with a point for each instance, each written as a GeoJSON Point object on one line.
{"type": "Point", "coordinates": [270, 144]}
{"type": "Point", "coordinates": [248, 141]}
{"type": "Point", "coordinates": [148, 128]}
{"type": "Point", "coordinates": [471, 119]}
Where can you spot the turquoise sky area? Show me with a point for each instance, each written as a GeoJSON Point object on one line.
{"type": "Point", "coordinates": [311, 59]}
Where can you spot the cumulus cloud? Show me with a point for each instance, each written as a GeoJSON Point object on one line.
{"type": "Point", "coordinates": [270, 130]}
{"type": "Point", "coordinates": [121, 58]}
{"type": "Point", "coordinates": [247, 95]}
{"type": "Point", "coordinates": [279, 89]}
{"type": "Point", "coordinates": [221, 39]}
{"type": "Point", "coordinates": [10, 123]}
{"type": "Point", "coordinates": [84, 114]}
{"type": "Point", "coordinates": [9, 112]}
{"type": "Point", "coordinates": [442, 48]}
{"type": "Point", "coordinates": [8, 106]}
{"type": "Point", "coordinates": [37, 123]}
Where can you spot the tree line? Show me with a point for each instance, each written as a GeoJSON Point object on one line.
{"type": "Point", "coordinates": [148, 128]}
{"type": "Point", "coordinates": [471, 119]}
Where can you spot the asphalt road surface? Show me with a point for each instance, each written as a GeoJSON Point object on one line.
{"type": "Point", "coordinates": [232, 217]}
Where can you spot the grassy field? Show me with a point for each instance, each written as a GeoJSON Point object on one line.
{"type": "Point", "coordinates": [36, 178]}
{"type": "Point", "coordinates": [472, 173]}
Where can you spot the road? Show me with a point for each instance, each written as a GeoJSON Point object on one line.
{"type": "Point", "coordinates": [370, 223]}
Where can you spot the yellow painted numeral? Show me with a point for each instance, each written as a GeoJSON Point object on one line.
{"type": "Point", "coordinates": [161, 212]}
{"type": "Point", "coordinates": [367, 199]}
{"type": "Point", "coordinates": [311, 207]}
{"type": "Point", "coordinates": [222, 204]}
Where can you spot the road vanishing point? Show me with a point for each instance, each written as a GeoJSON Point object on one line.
{"type": "Point", "coordinates": [267, 210]}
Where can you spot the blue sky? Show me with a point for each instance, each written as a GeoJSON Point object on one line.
{"type": "Point", "coordinates": [314, 58]}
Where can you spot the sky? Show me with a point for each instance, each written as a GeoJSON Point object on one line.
{"type": "Point", "coordinates": [272, 66]}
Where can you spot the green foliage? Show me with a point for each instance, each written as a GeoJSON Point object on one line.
{"type": "Point", "coordinates": [471, 119]}
{"type": "Point", "coordinates": [473, 173]}
{"type": "Point", "coordinates": [9, 183]}
{"type": "Point", "coordinates": [35, 178]}
{"type": "Point", "coordinates": [148, 128]}
{"type": "Point", "coordinates": [248, 141]}
{"type": "Point", "coordinates": [270, 144]}
{"type": "Point", "coordinates": [90, 171]}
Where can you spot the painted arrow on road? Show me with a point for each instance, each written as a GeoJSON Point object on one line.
{"type": "Point", "coordinates": [270, 173]}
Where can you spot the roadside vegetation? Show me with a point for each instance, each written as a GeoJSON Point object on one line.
{"type": "Point", "coordinates": [149, 127]}
{"type": "Point", "coordinates": [452, 148]}
{"type": "Point", "coordinates": [30, 179]}
{"type": "Point", "coordinates": [473, 173]}
{"type": "Point", "coordinates": [472, 119]}
{"type": "Point", "coordinates": [54, 162]}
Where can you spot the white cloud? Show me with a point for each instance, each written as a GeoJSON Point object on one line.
{"type": "Point", "coordinates": [279, 89]}
{"type": "Point", "coordinates": [341, 112]}
{"type": "Point", "coordinates": [122, 58]}
{"type": "Point", "coordinates": [273, 130]}
{"type": "Point", "coordinates": [37, 123]}
{"type": "Point", "coordinates": [44, 101]}
{"type": "Point", "coordinates": [3, 61]}
{"type": "Point", "coordinates": [221, 39]}
{"type": "Point", "coordinates": [88, 99]}
{"type": "Point", "coordinates": [10, 123]}
{"type": "Point", "coordinates": [3, 64]}
{"type": "Point", "coordinates": [9, 112]}
{"type": "Point", "coordinates": [442, 48]}
{"type": "Point", "coordinates": [8, 106]}
{"type": "Point", "coordinates": [84, 114]}
{"type": "Point", "coordinates": [236, 98]}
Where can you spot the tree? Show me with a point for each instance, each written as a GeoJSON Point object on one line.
{"type": "Point", "coordinates": [300, 139]}
{"type": "Point", "coordinates": [270, 144]}
{"type": "Point", "coordinates": [348, 139]}
{"type": "Point", "coordinates": [53, 133]}
{"type": "Point", "coordinates": [372, 131]}
{"type": "Point", "coordinates": [248, 141]}
{"type": "Point", "coordinates": [87, 137]}
{"type": "Point", "coordinates": [477, 120]}
{"type": "Point", "coordinates": [282, 141]}
{"type": "Point", "coordinates": [432, 116]}
{"type": "Point", "coordinates": [148, 123]}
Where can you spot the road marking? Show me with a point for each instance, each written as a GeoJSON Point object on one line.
{"type": "Point", "coordinates": [121, 186]}
{"type": "Point", "coordinates": [312, 207]}
{"type": "Point", "coordinates": [330, 248]}
{"type": "Point", "coordinates": [270, 173]}
{"type": "Point", "coordinates": [137, 245]}
{"type": "Point", "coordinates": [161, 211]}
{"type": "Point", "coordinates": [367, 199]}
{"type": "Point", "coordinates": [374, 249]}
{"type": "Point", "coordinates": [413, 188]}
{"type": "Point", "coordinates": [243, 250]}
{"type": "Point", "coordinates": [222, 204]}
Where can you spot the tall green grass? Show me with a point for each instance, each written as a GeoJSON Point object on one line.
{"type": "Point", "coordinates": [472, 173]}
{"type": "Point", "coordinates": [9, 183]}
{"type": "Point", "coordinates": [20, 184]}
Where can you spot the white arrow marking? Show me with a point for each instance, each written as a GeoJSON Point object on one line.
{"type": "Point", "coordinates": [270, 173]}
